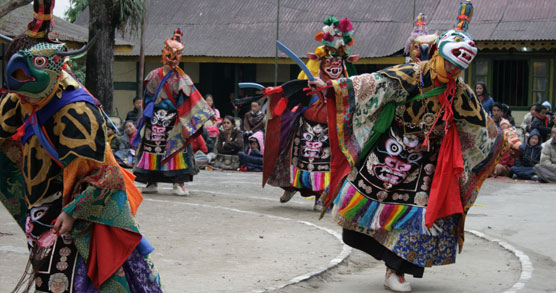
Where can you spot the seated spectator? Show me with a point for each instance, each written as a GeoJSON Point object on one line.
{"type": "Point", "coordinates": [527, 119]}
{"type": "Point", "coordinates": [497, 113]}
{"type": "Point", "coordinates": [510, 134]}
{"type": "Point", "coordinates": [482, 93]}
{"type": "Point", "coordinates": [129, 133]}
{"type": "Point", "coordinates": [504, 165]}
{"type": "Point", "coordinates": [230, 140]}
{"type": "Point", "coordinates": [113, 139]}
{"type": "Point", "coordinates": [125, 156]}
{"type": "Point", "coordinates": [541, 122]}
{"type": "Point", "coordinates": [545, 170]}
{"type": "Point", "coordinates": [507, 159]}
{"type": "Point", "coordinates": [253, 120]}
{"type": "Point", "coordinates": [228, 144]}
{"type": "Point", "coordinates": [507, 114]}
{"type": "Point", "coordinates": [252, 159]}
{"type": "Point", "coordinates": [530, 156]}
{"type": "Point", "coordinates": [209, 141]}
{"type": "Point", "coordinates": [548, 105]}
{"type": "Point", "coordinates": [200, 152]}
{"type": "Point", "coordinates": [198, 144]}
{"type": "Point", "coordinates": [135, 114]}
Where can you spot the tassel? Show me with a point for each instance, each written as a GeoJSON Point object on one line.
{"type": "Point", "coordinates": [20, 132]}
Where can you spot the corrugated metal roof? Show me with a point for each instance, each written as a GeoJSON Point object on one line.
{"type": "Point", "coordinates": [246, 28]}
{"type": "Point", "coordinates": [15, 23]}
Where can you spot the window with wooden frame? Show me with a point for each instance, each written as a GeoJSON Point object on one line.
{"type": "Point", "coordinates": [539, 88]}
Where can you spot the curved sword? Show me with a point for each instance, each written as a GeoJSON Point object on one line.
{"type": "Point", "coordinates": [249, 85]}
{"type": "Point", "coordinates": [296, 59]}
{"type": "Point", "coordinates": [5, 38]}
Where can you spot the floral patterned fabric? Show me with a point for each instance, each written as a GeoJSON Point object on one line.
{"type": "Point", "coordinates": [385, 195]}
{"type": "Point", "coordinates": [179, 112]}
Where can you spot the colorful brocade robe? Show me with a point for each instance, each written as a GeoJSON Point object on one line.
{"type": "Point", "coordinates": [385, 193]}
{"type": "Point", "coordinates": [300, 156]}
{"type": "Point", "coordinates": [164, 153]}
{"type": "Point", "coordinates": [102, 251]}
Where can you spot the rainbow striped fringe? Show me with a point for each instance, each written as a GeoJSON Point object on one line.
{"type": "Point", "coordinates": [150, 161]}
{"type": "Point", "coordinates": [351, 207]}
{"type": "Point", "coordinates": [316, 181]}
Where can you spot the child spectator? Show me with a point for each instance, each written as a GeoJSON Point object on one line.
{"type": "Point", "coordinates": [507, 159]}
{"type": "Point", "coordinates": [530, 156]}
{"type": "Point", "coordinates": [507, 114]}
{"type": "Point", "coordinates": [200, 151]}
{"type": "Point", "coordinates": [113, 139]}
{"type": "Point", "coordinates": [210, 101]}
{"type": "Point", "coordinates": [497, 113]}
{"type": "Point", "coordinates": [198, 143]}
{"type": "Point", "coordinates": [254, 120]}
{"type": "Point", "coordinates": [545, 170]}
{"type": "Point", "coordinates": [252, 159]}
{"type": "Point", "coordinates": [541, 122]}
{"type": "Point", "coordinates": [510, 134]}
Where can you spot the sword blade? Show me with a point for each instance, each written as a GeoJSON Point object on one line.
{"type": "Point", "coordinates": [296, 59]}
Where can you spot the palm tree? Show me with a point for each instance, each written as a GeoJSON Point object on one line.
{"type": "Point", "coordinates": [105, 17]}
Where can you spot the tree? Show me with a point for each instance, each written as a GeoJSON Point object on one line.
{"type": "Point", "coordinates": [7, 6]}
{"type": "Point", "coordinates": [105, 17]}
{"type": "Point", "coordinates": [76, 7]}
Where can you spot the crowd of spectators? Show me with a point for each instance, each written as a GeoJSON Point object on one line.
{"type": "Point", "coordinates": [233, 143]}
{"type": "Point", "coordinates": [533, 155]}
{"type": "Point", "coordinates": [238, 144]}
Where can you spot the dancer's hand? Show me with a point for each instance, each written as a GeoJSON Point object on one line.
{"type": "Point", "coordinates": [318, 83]}
{"type": "Point", "coordinates": [63, 224]}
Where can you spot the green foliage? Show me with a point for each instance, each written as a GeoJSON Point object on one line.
{"type": "Point", "coordinates": [129, 13]}
{"type": "Point", "coordinates": [76, 7]}
{"type": "Point", "coordinates": [79, 69]}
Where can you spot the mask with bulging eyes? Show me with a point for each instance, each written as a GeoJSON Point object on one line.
{"type": "Point", "coordinates": [171, 53]}
{"type": "Point", "coordinates": [457, 47]}
{"type": "Point", "coordinates": [314, 140]}
{"type": "Point", "coordinates": [397, 158]}
{"type": "Point", "coordinates": [333, 67]}
{"type": "Point", "coordinates": [160, 122]}
{"type": "Point", "coordinates": [34, 72]}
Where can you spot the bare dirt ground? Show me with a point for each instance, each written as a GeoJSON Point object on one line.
{"type": "Point", "coordinates": [230, 235]}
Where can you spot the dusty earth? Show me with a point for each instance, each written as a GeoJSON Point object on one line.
{"type": "Point", "coordinates": [230, 235]}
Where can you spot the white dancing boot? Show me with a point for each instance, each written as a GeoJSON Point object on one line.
{"type": "Point", "coordinates": [179, 189]}
{"type": "Point", "coordinates": [287, 196]}
{"type": "Point", "coordinates": [150, 188]}
{"type": "Point", "coordinates": [396, 282]}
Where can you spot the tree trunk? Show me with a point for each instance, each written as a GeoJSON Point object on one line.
{"type": "Point", "coordinates": [8, 6]}
{"type": "Point", "coordinates": [100, 57]}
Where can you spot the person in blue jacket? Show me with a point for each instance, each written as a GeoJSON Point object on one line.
{"type": "Point", "coordinates": [530, 156]}
{"type": "Point", "coordinates": [482, 93]}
